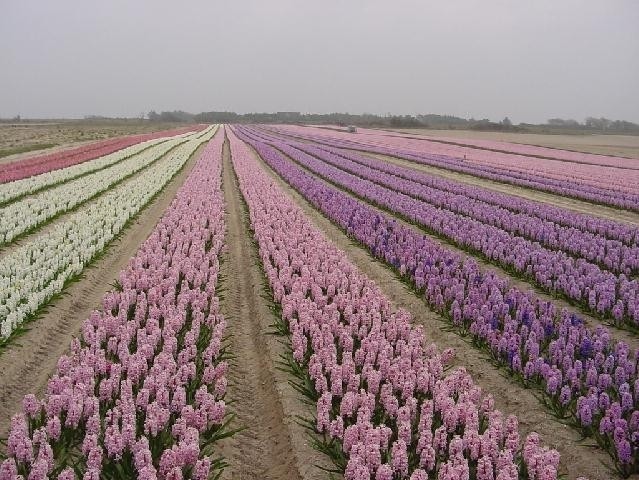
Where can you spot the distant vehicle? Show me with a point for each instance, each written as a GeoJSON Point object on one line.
{"type": "Point", "coordinates": [351, 129]}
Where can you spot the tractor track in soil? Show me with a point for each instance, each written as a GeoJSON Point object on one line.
{"type": "Point", "coordinates": [271, 445]}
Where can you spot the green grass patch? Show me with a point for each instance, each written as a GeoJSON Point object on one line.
{"type": "Point", "coordinates": [5, 152]}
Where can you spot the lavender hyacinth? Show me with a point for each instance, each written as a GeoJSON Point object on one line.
{"type": "Point", "coordinates": [382, 396]}
{"type": "Point", "coordinates": [586, 284]}
{"type": "Point", "coordinates": [583, 373]}
{"type": "Point", "coordinates": [562, 184]}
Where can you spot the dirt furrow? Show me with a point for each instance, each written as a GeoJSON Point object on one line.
{"type": "Point", "coordinates": [578, 458]}
{"type": "Point", "coordinates": [29, 361]}
{"type": "Point", "coordinates": [272, 445]}
{"type": "Point", "coordinates": [619, 334]}
{"type": "Point", "coordinates": [527, 193]}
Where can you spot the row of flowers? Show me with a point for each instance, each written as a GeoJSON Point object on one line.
{"type": "Point", "coordinates": [31, 274]}
{"type": "Point", "coordinates": [616, 179]}
{"type": "Point", "coordinates": [564, 184]}
{"type": "Point", "coordinates": [624, 179]}
{"type": "Point", "coordinates": [12, 191]}
{"type": "Point", "coordinates": [625, 233]}
{"type": "Point", "coordinates": [141, 394]}
{"type": "Point", "coordinates": [585, 377]}
{"type": "Point", "coordinates": [28, 213]}
{"type": "Point", "coordinates": [537, 151]}
{"type": "Point", "coordinates": [500, 210]}
{"type": "Point", "coordinates": [610, 254]}
{"type": "Point", "coordinates": [39, 164]}
{"type": "Point", "coordinates": [615, 297]}
{"type": "Point", "coordinates": [385, 408]}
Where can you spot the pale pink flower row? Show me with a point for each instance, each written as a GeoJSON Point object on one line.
{"type": "Point", "coordinates": [383, 394]}
{"type": "Point", "coordinates": [141, 393]}
{"type": "Point", "coordinates": [593, 178]}
{"type": "Point", "coordinates": [526, 149]}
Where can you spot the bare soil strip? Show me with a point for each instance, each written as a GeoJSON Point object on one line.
{"type": "Point", "coordinates": [461, 143]}
{"type": "Point", "coordinates": [272, 445]}
{"type": "Point", "coordinates": [27, 364]}
{"type": "Point", "coordinates": [626, 146]}
{"type": "Point", "coordinates": [630, 337]}
{"type": "Point", "coordinates": [530, 194]}
{"type": "Point", "coordinates": [577, 458]}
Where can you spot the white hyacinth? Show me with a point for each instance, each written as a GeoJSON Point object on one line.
{"type": "Point", "coordinates": [32, 273]}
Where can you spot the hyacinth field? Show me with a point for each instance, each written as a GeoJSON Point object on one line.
{"type": "Point", "coordinates": [286, 301]}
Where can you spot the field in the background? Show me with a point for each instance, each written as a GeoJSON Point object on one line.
{"type": "Point", "coordinates": [621, 145]}
{"type": "Point", "coordinates": [256, 301]}
{"type": "Point", "coordinates": [21, 139]}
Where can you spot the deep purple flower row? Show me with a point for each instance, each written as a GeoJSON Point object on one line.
{"type": "Point", "coordinates": [382, 395]}
{"type": "Point", "coordinates": [565, 187]}
{"type": "Point", "coordinates": [582, 372]}
{"type": "Point", "coordinates": [626, 233]}
{"type": "Point", "coordinates": [611, 254]}
{"type": "Point", "coordinates": [599, 291]}
{"type": "Point", "coordinates": [141, 393]}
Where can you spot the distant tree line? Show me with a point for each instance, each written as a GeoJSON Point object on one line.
{"type": "Point", "coordinates": [553, 125]}
{"type": "Point", "coordinates": [599, 124]}
{"type": "Point", "coordinates": [16, 119]}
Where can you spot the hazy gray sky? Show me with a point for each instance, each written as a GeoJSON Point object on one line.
{"type": "Point", "coordinates": [530, 60]}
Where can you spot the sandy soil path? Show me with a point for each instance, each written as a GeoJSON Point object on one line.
{"type": "Point", "coordinates": [28, 362]}
{"type": "Point", "coordinates": [578, 458]}
{"type": "Point", "coordinates": [564, 202]}
{"type": "Point", "coordinates": [273, 445]}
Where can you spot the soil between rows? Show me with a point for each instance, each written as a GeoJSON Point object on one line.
{"type": "Point", "coordinates": [272, 444]}
{"type": "Point", "coordinates": [31, 359]}
{"type": "Point", "coordinates": [523, 284]}
{"type": "Point", "coordinates": [578, 458]}
{"type": "Point", "coordinates": [577, 205]}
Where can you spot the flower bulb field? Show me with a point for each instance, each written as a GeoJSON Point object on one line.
{"type": "Point", "coordinates": [266, 301]}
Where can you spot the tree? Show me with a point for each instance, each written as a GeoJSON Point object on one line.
{"type": "Point", "coordinates": [598, 123]}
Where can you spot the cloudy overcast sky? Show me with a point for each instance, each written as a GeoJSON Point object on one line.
{"type": "Point", "coordinates": [480, 58]}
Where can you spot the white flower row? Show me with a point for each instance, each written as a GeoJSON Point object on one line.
{"type": "Point", "coordinates": [25, 186]}
{"type": "Point", "coordinates": [36, 271]}
{"type": "Point", "coordinates": [33, 210]}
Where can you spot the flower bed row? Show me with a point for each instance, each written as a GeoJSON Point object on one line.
{"type": "Point", "coordinates": [600, 177]}
{"type": "Point", "coordinates": [141, 395]}
{"type": "Point", "coordinates": [385, 408]}
{"type": "Point", "coordinates": [27, 214]}
{"type": "Point", "coordinates": [13, 191]}
{"type": "Point", "coordinates": [553, 153]}
{"type": "Point", "coordinates": [585, 377]}
{"type": "Point", "coordinates": [609, 254]}
{"type": "Point", "coordinates": [623, 232]}
{"type": "Point", "coordinates": [598, 291]}
{"type": "Point", "coordinates": [38, 164]}
{"type": "Point", "coordinates": [565, 186]}
{"type": "Point", "coordinates": [33, 273]}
